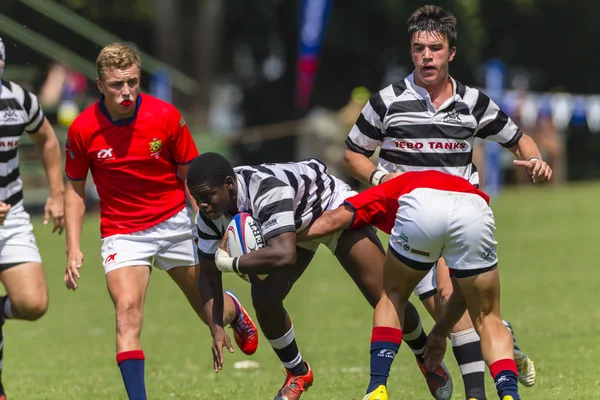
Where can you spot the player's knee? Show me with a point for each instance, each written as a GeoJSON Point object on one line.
{"type": "Point", "coordinates": [444, 292]}
{"type": "Point", "coordinates": [33, 308]}
{"type": "Point", "coordinates": [129, 316]}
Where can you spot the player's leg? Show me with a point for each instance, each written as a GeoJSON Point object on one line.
{"type": "Point", "coordinates": [360, 253]}
{"type": "Point", "coordinates": [482, 296]}
{"type": "Point", "coordinates": [276, 324]}
{"type": "Point", "coordinates": [234, 314]}
{"type": "Point", "coordinates": [127, 288]}
{"type": "Point", "coordinates": [22, 275]}
{"type": "Point", "coordinates": [465, 341]}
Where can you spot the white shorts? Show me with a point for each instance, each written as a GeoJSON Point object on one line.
{"type": "Point", "coordinates": [428, 285]}
{"type": "Point", "coordinates": [169, 244]}
{"type": "Point", "coordinates": [433, 223]}
{"type": "Point", "coordinates": [340, 193]}
{"type": "Point", "coordinates": [17, 242]}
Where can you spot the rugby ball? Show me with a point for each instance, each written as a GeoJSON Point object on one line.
{"type": "Point", "coordinates": [244, 237]}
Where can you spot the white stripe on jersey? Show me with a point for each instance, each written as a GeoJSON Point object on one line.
{"type": "Point", "coordinates": [414, 136]}
{"type": "Point", "coordinates": [285, 197]}
{"type": "Point", "coordinates": [19, 111]}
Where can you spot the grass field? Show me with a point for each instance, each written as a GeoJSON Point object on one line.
{"type": "Point", "coordinates": [546, 241]}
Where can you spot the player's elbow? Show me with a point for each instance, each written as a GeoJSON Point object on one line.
{"type": "Point", "coordinates": [285, 258]}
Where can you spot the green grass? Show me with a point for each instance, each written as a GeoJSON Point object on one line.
{"type": "Point", "coordinates": [546, 241]}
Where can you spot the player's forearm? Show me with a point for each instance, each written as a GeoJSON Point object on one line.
{"type": "Point", "coordinates": [526, 149]}
{"type": "Point", "coordinates": [329, 222]}
{"type": "Point", "coordinates": [358, 166]}
{"type": "Point", "coordinates": [451, 314]}
{"type": "Point", "coordinates": [50, 153]}
{"type": "Point", "coordinates": [210, 285]}
{"type": "Point", "coordinates": [266, 260]}
{"type": "Point", "coordinates": [74, 215]}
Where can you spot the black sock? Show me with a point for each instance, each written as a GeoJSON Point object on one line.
{"type": "Point", "coordinates": [416, 340]}
{"type": "Point", "coordinates": [467, 351]}
{"type": "Point", "coordinates": [287, 350]}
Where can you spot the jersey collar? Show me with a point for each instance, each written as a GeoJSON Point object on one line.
{"type": "Point", "coordinates": [410, 82]}
{"type": "Point", "coordinates": [124, 121]}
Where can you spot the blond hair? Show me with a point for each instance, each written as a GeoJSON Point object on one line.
{"type": "Point", "coordinates": [118, 56]}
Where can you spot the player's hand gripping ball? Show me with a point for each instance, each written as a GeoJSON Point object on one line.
{"type": "Point", "coordinates": [244, 236]}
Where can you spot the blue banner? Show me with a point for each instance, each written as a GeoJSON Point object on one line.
{"type": "Point", "coordinates": [494, 83]}
{"type": "Point", "coordinates": [314, 16]}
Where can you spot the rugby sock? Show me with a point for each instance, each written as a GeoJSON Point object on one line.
{"type": "Point", "coordinates": [385, 342]}
{"type": "Point", "coordinates": [416, 340]}
{"type": "Point", "coordinates": [287, 350]}
{"type": "Point", "coordinates": [7, 307]}
{"type": "Point", "coordinates": [466, 346]}
{"type": "Point", "coordinates": [504, 373]}
{"type": "Point", "coordinates": [131, 364]}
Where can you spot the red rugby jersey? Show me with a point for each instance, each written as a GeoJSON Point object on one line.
{"type": "Point", "coordinates": [378, 205]}
{"type": "Point", "coordinates": [133, 162]}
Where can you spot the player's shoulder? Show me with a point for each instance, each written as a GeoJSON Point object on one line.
{"type": "Point", "coordinates": [159, 108]}
{"type": "Point", "coordinates": [17, 92]}
{"type": "Point", "coordinates": [88, 117]}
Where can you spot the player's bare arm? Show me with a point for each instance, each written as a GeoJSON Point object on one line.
{"type": "Point", "coordinates": [280, 252]}
{"type": "Point", "coordinates": [183, 169]}
{"type": "Point", "coordinates": [48, 148]}
{"type": "Point", "coordinates": [329, 222]}
{"type": "Point", "coordinates": [210, 284]}
{"type": "Point", "coordinates": [360, 167]}
{"type": "Point", "coordinates": [74, 214]}
{"type": "Point", "coordinates": [529, 157]}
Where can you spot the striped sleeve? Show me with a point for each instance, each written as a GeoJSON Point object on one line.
{"type": "Point", "coordinates": [272, 204]}
{"type": "Point", "coordinates": [32, 107]}
{"type": "Point", "coordinates": [367, 133]}
{"type": "Point", "coordinates": [494, 124]}
{"type": "Point", "coordinates": [210, 232]}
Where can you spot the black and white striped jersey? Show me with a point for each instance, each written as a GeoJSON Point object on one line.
{"type": "Point", "coordinates": [284, 197]}
{"type": "Point", "coordinates": [20, 112]}
{"type": "Point", "coordinates": [413, 135]}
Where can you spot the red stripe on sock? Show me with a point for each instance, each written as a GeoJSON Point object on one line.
{"type": "Point", "coordinates": [508, 364]}
{"type": "Point", "coordinates": [386, 334]}
{"type": "Point", "coordinates": [130, 355]}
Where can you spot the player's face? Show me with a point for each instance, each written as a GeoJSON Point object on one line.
{"type": "Point", "coordinates": [120, 88]}
{"type": "Point", "coordinates": [431, 54]}
{"type": "Point", "coordinates": [212, 202]}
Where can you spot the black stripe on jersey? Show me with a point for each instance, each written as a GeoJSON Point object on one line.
{"type": "Point", "coordinates": [6, 156]}
{"type": "Point", "coordinates": [378, 105]}
{"type": "Point", "coordinates": [430, 131]}
{"type": "Point", "coordinates": [39, 124]}
{"type": "Point", "coordinates": [399, 87]}
{"type": "Point", "coordinates": [495, 126]}
{"type": "Point", "coordinates": [514, 140]}
{"type": "Point", "coordinates": [262, 169]}
{"type": "Point", "coordinates": [460, 89]}
{"type": "Point", "coordinates": [10, 103]}
{"type": "Point", "coordinates": [427, 159]}
{"type": "Point", "coordinates": [206, 236]}
{"type": "Point", "coordinates": [292, 179]}
{"type": "Point", "coordinates": [357, 149]}
{"type": "Point", "coordinates": [15, 198]}
{"type": "Point", "coordinates": [268, 184]}
{"type": "Point", "coordinates": [38, 127]}
{"type": "Point", "coordinates": [211, 225]}
{"type": "Point", "coordinates": [399, 107]}
{"type": "Point", "coordinates": [458, 106]}
{"type": "Point", "coordinates": [11, 130]}
{"type": "Point", "coordinates": [27, 103]}
{"type": "Point", "coordinates": [367, 129]}
{"type": "Point", "coordinates": [10, 178]}
{"type": "Point", "coordinates": [481, 105]}
{"type": "Point", "coordinates": [6, 84]}
{"type": "Point", "coordinates": [320, 183]}
{"type": "Point", "coordinates": [279, 231]}
{"type": "Point", "coordinates": [303, 202]}
{"type": "Point", "coordinates": [265, 213]}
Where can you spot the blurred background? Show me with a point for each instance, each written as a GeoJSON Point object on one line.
{"type": "Point", "coordinates": [275, 80]}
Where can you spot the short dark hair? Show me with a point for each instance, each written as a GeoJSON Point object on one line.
{"type": "Point", "coordinates": [209, 169]}
{"type": "Point", "coordinates": [433, 19]}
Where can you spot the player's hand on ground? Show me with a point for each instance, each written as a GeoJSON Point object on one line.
{"type": "Point", "coordinates": [220, 339]}
{"type": "Point", "coordinates": [55, 209]}
{"type": "Point", "coordinates": [434, 352]}
{"type": "Point", "coordinates": [3, 212]}
{"type": "Point", "coordinates": [390, 176]}
{"type": "Point", "coordinates": [539, 170]}
{"type": "Point", "coordinates": [74, 262]}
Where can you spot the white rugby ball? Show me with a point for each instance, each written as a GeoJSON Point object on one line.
{"type": "Point", "coordinates": [244, 237]}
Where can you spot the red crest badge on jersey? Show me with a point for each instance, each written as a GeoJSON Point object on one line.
{"type": "Point", "coordinates": [155, 147]}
